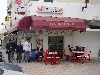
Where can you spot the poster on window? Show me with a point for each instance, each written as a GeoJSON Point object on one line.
{"type": "Point", "coordinates": [39, 44]}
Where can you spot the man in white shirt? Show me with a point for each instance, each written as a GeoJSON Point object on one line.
{"type": "Point", "coordinates": [27, 48]}
{"type": "Point", "coordinates": [67, 52]}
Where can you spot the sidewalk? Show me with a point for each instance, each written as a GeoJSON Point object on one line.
{"type": "Point", "coordinates": [65, 68]}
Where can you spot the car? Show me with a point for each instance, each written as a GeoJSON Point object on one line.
{"type": "Point", "coordinates": [9, 68]}
{"type": "Point", "coordinates": [10, 72]}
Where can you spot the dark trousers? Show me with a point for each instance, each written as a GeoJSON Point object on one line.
{"type": "Point", "coordinates": [10, 56]}
{"type": "Point", "coordinates": [26, 55]}
{"type": "Point", "coordinates": [19, 57]}
{"type": "Point", "coordinates": [36, 57]}
{"type": "Point", "coordinates": [13, 54]}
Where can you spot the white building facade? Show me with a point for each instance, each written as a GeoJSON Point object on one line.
{"type": "Point", "coordinates": [70, 8]}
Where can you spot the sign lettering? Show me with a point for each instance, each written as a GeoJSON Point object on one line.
{"type": "Point", "coordinates": [61, 24]}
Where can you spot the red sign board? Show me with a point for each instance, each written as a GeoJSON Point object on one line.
{"type": "Point", "coordinates": [18, 2]}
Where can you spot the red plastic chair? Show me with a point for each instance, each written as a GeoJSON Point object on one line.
{"type": "Point", "coordinates": [40, 56]}
{"type": "Point", "coordinates": [79, 58]}
{"type": "Point", "coordinates": [48, 58]}
{"type": "Point", "coordinates": [56, 58]}
{"type": "Point", "coordinates": [88, 56]}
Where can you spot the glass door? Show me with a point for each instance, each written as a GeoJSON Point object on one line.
{"type": "Point", "coordinates": [55, 43]}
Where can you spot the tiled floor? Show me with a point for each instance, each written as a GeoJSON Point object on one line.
{"type": "Point", "coordinates": [65, 68]}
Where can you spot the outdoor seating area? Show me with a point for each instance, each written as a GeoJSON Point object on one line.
{"type": "Point", "coordinates": [54, 57]}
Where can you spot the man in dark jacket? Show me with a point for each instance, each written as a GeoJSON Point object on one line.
{"type": "Point", "coordinates": [19, 51]}
{"type": "Point", "coordinates": [9, 47]}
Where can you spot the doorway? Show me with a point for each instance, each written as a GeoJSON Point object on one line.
{"type": "Point", "coordinates": [55, 43]}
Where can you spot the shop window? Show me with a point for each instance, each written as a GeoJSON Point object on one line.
{"type": "Point", "coordinates": [55, 43]}
{"type": "Point", "coordinates": [48, 0]}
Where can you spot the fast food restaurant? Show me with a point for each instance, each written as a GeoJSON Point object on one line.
{"type": "Point", "coordinates": [56, 33]}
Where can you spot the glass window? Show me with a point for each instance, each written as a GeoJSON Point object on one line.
{"type": "Point", "coordinates": [55, 43]}
{"type": "Point", "coordinates": [48, 0]}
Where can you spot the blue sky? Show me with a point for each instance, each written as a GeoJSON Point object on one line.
{"type": "Point", "coordinates": [3, 11]}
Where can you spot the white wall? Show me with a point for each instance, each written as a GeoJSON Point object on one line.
{"type": "Point", "coordinates": [90, 39]}
{"type": "Point", "coordinates": [69, 10]}
{"type": "Point", "coordinates": [13, 15]}
{"type": "Point", "coordinates": [78, 1]}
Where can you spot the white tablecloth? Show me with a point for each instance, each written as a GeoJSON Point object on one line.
{"type": "Point", "coordinates": [52, 52]}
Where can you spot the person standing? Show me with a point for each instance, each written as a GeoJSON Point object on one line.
{"type": "Point", "coordinates": [19, 51]}
{"type": "Point", "coordinates": [27, 48]}
{"type": "Point", "coordinates": [14, 47]}
{"type": "Point", "coordinates": [67, 52]}
{"type": "Point", "coordinates": [9, 47]}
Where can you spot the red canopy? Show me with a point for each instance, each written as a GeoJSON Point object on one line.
{"type": "Point", "coordinates": [54, 23]}
{"type": "Point", "coordinates": [23, 24]}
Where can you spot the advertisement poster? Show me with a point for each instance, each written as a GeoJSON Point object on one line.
{"type": "Point", "coordinates": [39, 44]}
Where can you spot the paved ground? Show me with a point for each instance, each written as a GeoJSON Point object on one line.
{"type": "Point", "coordinates": [65, 68]}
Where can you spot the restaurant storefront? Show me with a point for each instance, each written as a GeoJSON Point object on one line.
{"type": "Point", "coordinates": [54, 29]}
{"type": "Point", "coordinates": [53, 32]}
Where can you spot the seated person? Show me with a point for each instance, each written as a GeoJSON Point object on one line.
{"type": "Point", "coordinates": [41, 52]}
{"type": "Point", "coordinates": [38, 53]}
{"type": "Point", "coordinates": [36, 56]}
{"type": "Point", "coordinates": [77, 48]}
{"type": "Point", "coordinates": [80, 48]}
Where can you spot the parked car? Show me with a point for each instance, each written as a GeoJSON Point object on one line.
{"type": "Point", "coordinates": [9, 68]}
{"type": "Point", "coordinates": [10, 72]}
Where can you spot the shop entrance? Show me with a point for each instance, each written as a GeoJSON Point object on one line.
{"type": "Point", "coordinates": [55, 43]}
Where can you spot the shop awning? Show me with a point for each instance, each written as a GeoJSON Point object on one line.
{"type": "Point", "coordinates": [55, 23]}
{"type": "Point", "coordinates": [23, 24]}
{"type": "Point", "coordinates": [13, 27]}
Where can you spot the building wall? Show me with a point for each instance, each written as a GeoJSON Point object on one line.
{"type": "Point", "coordinates": [73, 10]}
{"type": "Point", "coordinates": [13, 1]}
{"type": "Point", "coordinates": [69, 10]}
{"type": "Point", "coordinates": [90, 40]}
{"type": "Point", "coordinates": [87, 39]}
{"type": "Point", "coordinates": [96, 2]}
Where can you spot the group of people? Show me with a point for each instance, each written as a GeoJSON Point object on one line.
{"type": "Point", "coordinates": [20, 49]}
{"type": "Point", "coordinates": [68, 52]}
